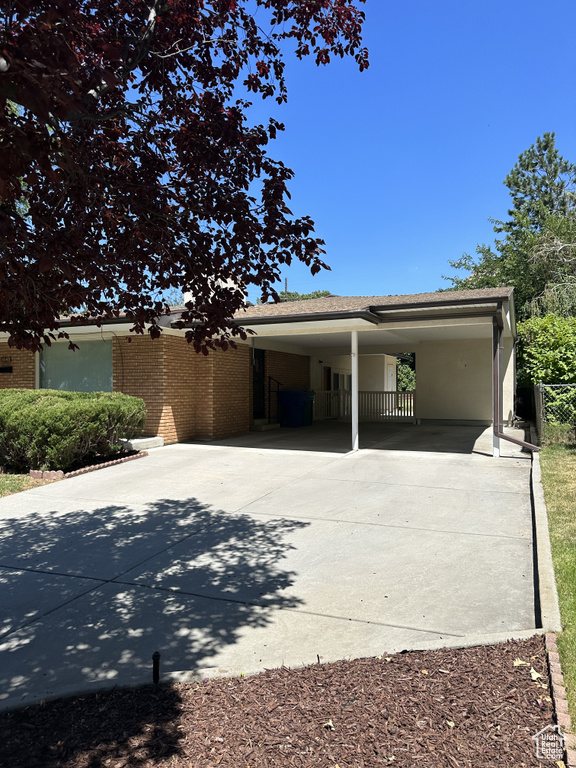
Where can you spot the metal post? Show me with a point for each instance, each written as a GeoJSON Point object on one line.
{"type": "Point", "coordinates": [354, 356]}
{"type": "Point", "coordinates": [156, 668]}
{"type": "Point", "coordinates": [495, 389]}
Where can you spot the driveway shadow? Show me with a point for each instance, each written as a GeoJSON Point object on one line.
{"type": "Point", "coordinates": [129, 727]}
{"type": "Point", "coordinates": [74, 617]}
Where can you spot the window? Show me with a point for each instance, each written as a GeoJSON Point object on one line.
{"type": "Point", "coordinates": [87, 369]}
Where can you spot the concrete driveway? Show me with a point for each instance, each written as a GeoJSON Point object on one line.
{"type": "Point", "coordinates": [233, 558]}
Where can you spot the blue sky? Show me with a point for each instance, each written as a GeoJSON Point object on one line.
{"type": "Point", "coordinates": [401, 166]}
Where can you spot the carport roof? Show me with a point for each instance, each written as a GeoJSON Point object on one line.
{"type": "Point", "coordinates": [334, 306]}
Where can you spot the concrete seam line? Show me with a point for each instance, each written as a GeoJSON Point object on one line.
{"type": "Point", "coordinates": [549, 607]}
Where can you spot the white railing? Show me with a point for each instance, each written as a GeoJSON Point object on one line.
{"type": "Point", "coordinates": [372, 406]}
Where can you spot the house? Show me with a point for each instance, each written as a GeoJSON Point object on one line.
{"type": "Point", "coordinates": [343, 347]}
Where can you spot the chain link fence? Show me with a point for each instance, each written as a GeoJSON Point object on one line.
{"type": "Point", "coordinates": [555, 412]}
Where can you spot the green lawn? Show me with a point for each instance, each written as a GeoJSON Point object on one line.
{"type": "Point", "coordinates": [559, 479]}
{"type": "Point", "coordinates": [16, 483]}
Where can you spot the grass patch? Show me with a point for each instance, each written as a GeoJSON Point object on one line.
{"type": "Point", "coordinates": [558, 464]}
{"type": "Point", "coordinates": [16, 483]}
{"type": "Point", "coordinates": [562, 434]}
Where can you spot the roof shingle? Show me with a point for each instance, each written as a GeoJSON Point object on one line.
{"type": "Point", "coordinates": [336, 304]}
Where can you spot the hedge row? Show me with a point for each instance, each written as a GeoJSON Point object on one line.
{"type": "Point", "coordinates": [48, 429]}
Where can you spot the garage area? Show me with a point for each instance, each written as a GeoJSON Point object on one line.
{"type": "Point", "coordinates": [231, 558]}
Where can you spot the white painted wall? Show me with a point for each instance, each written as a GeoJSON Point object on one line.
{"type": "Point", "coordinates": [454, 380]}
{"type": "Point", "coordinates": [372, 370]}
{"type": "Point", "coordinates": [509, 380]}
{"type": "Point", "coordinates": [372, 373]}
{"type": "Point", "coordinates": [376, 373]}
{"type": "Point", "coordinates": [338, 364]}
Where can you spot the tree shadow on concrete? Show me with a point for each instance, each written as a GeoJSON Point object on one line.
{"type": "Point", "coordinates": [88, 596]}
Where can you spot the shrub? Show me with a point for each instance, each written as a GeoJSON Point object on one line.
{"type": "Point", "coordinates": [547, 350]}
{"type": "Point", "coordinates": [406, 377]}
{"type": "Point", "coordinates": [49, 429]}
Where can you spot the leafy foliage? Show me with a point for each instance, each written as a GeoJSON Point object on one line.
{"type": "Point", "coordinates": [174, 298]}
{"type": "Point", "coordinates": [131, 147]}
{"type": "Point", "coordinates": [50, 429]}
{"type": "Point", "coordinates": [406, 377]}
{"type": "Point", "coordinates": [547, 350]}
{"type": "Point", "coordinates": [536, 251]}
{"type": "Point", "coordinates": [539, 183]}
{"type": "Point", "coordinates": [555, 256]}
{"type": "Point", "coordinates": [295, 296]}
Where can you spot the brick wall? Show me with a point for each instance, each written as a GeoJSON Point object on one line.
{"type": "Point", "coordinates": [292, 371]}
{"type": "Point", "coordinates": [181, 383]}
{"type": "Point", "coordinates": [204, 395]}
{"type": "Point", "coordinates": [137, 365]}
{"type": "Point", "coordinates": [23, 368]}
{"type": "Point", "coordinates": [187, 396]}
{"type": "Point", "coordinates": [231, 401]}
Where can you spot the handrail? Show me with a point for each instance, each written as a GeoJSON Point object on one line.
{"type": "Point", "coordinates": [278, 385]}
{"type": "Point", "coordinates": [375, 405]}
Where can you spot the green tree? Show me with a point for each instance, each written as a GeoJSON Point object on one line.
{"type": "Point", "coordinates": [540, 183]}
{"type": "Point", "coordinates": [532, 254]}
{"type": "Point", "coordinates": [295, 296]}
{"type": "Point", "coordinates": [406, 377]}
{"type": "Point", "coordinates": [547, 350]}
{"type": "Point", "coordinates": [174, 297]}
{"type": "Point", "coordinates": [555, 255]}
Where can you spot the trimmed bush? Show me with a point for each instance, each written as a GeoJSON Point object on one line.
{"type": "Point", "coordinates": [49, 429]}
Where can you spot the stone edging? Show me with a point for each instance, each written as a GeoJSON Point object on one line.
{"type": "Point", "coordinates": [58, 474]}
{"type": "Point", "coordinates": [560, 702]}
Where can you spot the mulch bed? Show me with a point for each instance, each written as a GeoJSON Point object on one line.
{"type": "Point", "coordinates": [425, 709]}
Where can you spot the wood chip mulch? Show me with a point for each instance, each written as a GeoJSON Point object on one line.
{"type": "Point", "coordinates": [426, 709]}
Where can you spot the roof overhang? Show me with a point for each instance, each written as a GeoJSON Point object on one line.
{"type": "Point", "coordinates": [388, 326]}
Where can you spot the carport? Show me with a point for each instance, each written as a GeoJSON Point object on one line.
{"type": "Point", "coordinates": [463, 344]}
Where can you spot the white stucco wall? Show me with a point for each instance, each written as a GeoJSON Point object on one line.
{"type": "Point", "coordinates": [338, 364]}
{"type": "Point", "coordinates": [372, 372]}
{"type": "Point", "coordinates": [454, 380]}
{"type": "Point", "coordinates": [509, 380]}
{"type": "Point", "coordinates": [372, 375]}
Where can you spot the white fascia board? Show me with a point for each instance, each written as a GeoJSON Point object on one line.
{"type": "Point", "coordinates": [307, 327]}
{"type": "Point", "coordinates": [108, 331]}
{"type": "Point", "coordinates": [509, 319]}
{"type": "Point", "coordinates": [411, 324]}
{"type": "Point", "coordinates": [444, 309]}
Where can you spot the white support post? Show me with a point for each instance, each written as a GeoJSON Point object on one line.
{"type": "Point", "coordinates": [495, 446]}
{"type": "Point", "coordinates": [354, 356]}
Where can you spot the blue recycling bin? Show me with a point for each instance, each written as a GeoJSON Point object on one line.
{"type": "Point", "coordinates": [295, 408]}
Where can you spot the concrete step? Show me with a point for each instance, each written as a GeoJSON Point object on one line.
{"type": "Point", "coordinates": [142, 443]}
{"type": "Point", "coordinates": [263, 425]}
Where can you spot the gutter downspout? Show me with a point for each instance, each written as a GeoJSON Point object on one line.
{"type": "Point", "coordinates": [498, 387]}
